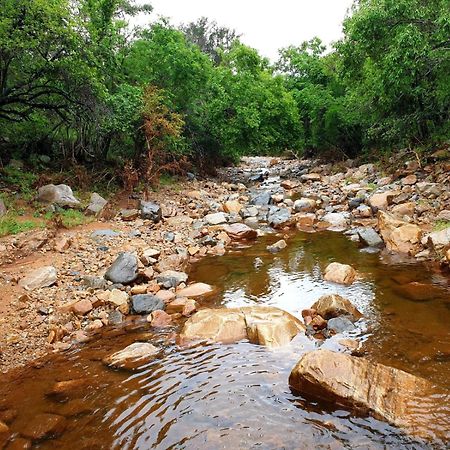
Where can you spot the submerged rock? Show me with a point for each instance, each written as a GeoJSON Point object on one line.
{"type": "Point", "coordinates": [387, 393]}
{"type": "Point", "coordinates": [124, 269]}
{"type": "Point", "coordinates": [39, 278]}
{"type": "Point", "coordinates": [132, 356]}
{"type": "Point", "coordinates": [339, 273]}
{"type": "Point", "coordinates": [261, 325]}
{"type": "Point", "coordinates": [44, 426]}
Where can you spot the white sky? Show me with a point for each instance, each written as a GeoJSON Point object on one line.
{"type": "Point", "coordinates": [265, 25]}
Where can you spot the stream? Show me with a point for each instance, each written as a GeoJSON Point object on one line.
{"type": "Point", "coordinates": [236, 396]}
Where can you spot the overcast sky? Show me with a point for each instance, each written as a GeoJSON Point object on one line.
{"type": "Point", "coordinates": [265, 25]}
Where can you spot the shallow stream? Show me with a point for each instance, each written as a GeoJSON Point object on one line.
{"type": "Point", "coordinates": [237, 396]}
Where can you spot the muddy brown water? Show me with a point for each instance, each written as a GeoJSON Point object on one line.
{"type": "Point", "coordinates": [236, 396]}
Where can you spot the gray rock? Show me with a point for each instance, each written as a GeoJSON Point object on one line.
{"type": "Point", "coordinates": [94, 282]}
{"type": "Point", "coordinates": [151, 211]}
{"type": "Point", "coordinates": [169, 236]}
{"type": "Point", "coordinates": [129, 214]}
{"type": "Point", "coordinates": [277, 247]}
{"type": "Point", "coordinates": [124, 269]}
{"type": "Point", "coordinates": [215, 218]}
{"type": "Point", "coordinates": [279, 217]}
{"type": "Point", "coordinates": [304, 205]}
{"type": "Point", "coordinates": [171, 278]}
{"type": "Point", "coordinates": [438, 239]}
{"type": "Point", "coordinates": [3, 209]}
{"type": "Point", "coordinates": [340, 324]}
{"type": "Point", "coordinates": [39, 278]}
{"type": "Point", "coordinates": [60, 195]}
{"type": "Point", "coordinates": [107, 233]}
{"type": "Point", "coordinates": [337, 220]}
{"type": "Point", "coordinates": [250, 211]}
{"type": "Point", "coordinates": [115, 317]}
{"type": "Point", "coordinates": [96, 205]}
{"type": "Point", "coordinates": [370, 237]}
{"type": "Point", "coordinates": [146, 303]}
{"type": "Point", "coordinates": [261, 199]}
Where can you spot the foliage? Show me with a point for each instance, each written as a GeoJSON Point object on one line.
{"type": "Point", "coordinates": [12, 224]}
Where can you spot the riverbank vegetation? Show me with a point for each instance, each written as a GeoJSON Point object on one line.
{"type": "Point", "coordinates": [80, 87]}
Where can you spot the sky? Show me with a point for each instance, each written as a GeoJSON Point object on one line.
{"type": "Point", "coordinates": [264, 25]}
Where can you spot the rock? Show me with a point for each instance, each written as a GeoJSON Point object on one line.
{"type": "Point", "coordinates": [409, 180]}
{"type": "Point", "coordinates": [132, 356]}
{"type": "Point", "coordinates": [404, 209]}
{"type": "Point", "coordinates": [129, 215]}
{"type": "Point", "coordinates": [232, 206]}
{"type": "Point", "coordinates": [306, 220]}
{"type": "Point", "coordinates": [159, 319]}
{"type": "Point", "coordinates": [62, 244]}
{"type": "Point", "coordinates": [115, 318]}
{"type": "Point", "coordinates": [215, 218]}
{"type": "Point", "coordinates": [94, 282]}
{"type": "Point", "coordinates": [382, 200]}
{"type": "Point", "coordinates": [337, 221]}
{"type": "Point", "coordinates": [171, 278]}
{"type": "Point", "coordinates": [96, 205]}
{"type": "Point", "coordinates": [370, 237]}
{"type": "Point", "coordinates": [439, 239]}
{"type": "Point", "coordinates": [340, 324]}
{"type": "Point", "coordinates": [261, 325]}
{"type": "Point", "coordinates": [82, 307]}
{"type": "Point", "coordinates": [182, 305]}
{"type": "Point", "coordinates": [419, 292]}
{"type": "Point", "coordinates": [63, 390]}
{"type": "Point", "coordinates": [311, 177]}
{"type": "Point", "coordinates": [363, 211]}
{"type": "Point", "coordinates": [3, 209]}
{"type": "Point", "coordinates": [399, 236]}
{"type": "Point", "coordinates": [124, 269]}
{"type": "Point", "coordinates": [107, 233]}
{"type": "Point", "coordinates": [289, 184]}
{"type": "Point", "coordinates": [196, 290]}
{"type": "Point", "coordinates": [317, 322]}
{"type": "Point", "coordinates": [444, 215]}
{"type": "Point", "coordinates": [304, 205]}
{"type": "Point", "coordinates": [277, 247]}
{"type": "Point", "coordinates": [146, 303]}
{"type": "Point", "coordinates": [150, 211]}
{"type": "Point", "coordinates": [250, 211]}
{"type": "Point", "coordinates": [115, 297]}
{"type": "Point", "coordinates": [329, 306]}
{"type": "Point", "coordinates": [19, 443]}
{"type": "Point", "coordinates": [388, 394]}
{"type": "Point", "coordinates": [339, 273]}
{"type": "Point", "coordinates": [279, 217]}
{"type": "Point", "coordinates": [39, 278]}
{"type": "Point", "coordinates": [429, 190]}
{"type": "Point", "coordinates": [44, 426]}
{"type": "Point", "coordinates": [240, 231]}
{"type": "Point", "coordinates": [165, 296]}
{"type": "Point", "coordinates": [60, 195]}
{"type": "Point", "coordinates": [261, 198]}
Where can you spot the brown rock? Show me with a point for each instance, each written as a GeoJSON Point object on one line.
{"type": "Point", "coordinates": [399, 236]}
{"type": "Point", "coordinates": [409, 180]}
{"type": "Point", "coordinates": [329, 306]}
{"type": "Point", "coordinates": [267, 326]}
{"type": "Point", "coordinates": [132, 356]}
{"type": "Point", "coordinates": [165, 296]}
{"type": "Point", "coordinates": [68, 388]}
{"type": "Point", "coordinates": [196, 290]}
{"type": "Point", "coordinates": [182, 305]}
{"type": "Point", "coordinates": [19, 444]}
{"type": "Point", "coordinates": [339, 273]}
{"type": "Point", "coordinates": [289, 184]}
{"type": "Point", "coordinates": [387, 393]}
{"type": "Point", "coordinates": [404, 209]}
{"type": "Point", "coordinates": [129, 214]}
{"type": "Point", "coordinates": [232, 206]}
{"type": "Point", "coordinates": [382, 200]}
{"type": "Point", "coordinates": [240, 231]}
{"type": "Point", "coordinates": [318, 323]}
{"type": "Point", "coordinates": [159, 319]}
{"type": "Point", "coordinates": [62, 244]}
{"type": "Point", "coordinates": [44, 426]}
{"type": "Point", "coordinates": [82, 307]}
{"type": "Point", "coordinates": [419, 292]}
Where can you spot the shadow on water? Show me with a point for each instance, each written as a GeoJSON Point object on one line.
{"type": "Point", "coordinates": [236, 396]}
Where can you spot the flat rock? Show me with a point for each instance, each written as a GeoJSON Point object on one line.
{"type": "Point", "coordinates": [240, 231]}
{"type": "Point", "coordinates": [215, 218]}
{"type": "Point", "coordinates": [146, 303]}
{"type": "Point", "coordinates": [132, 356]}
{"type": "Point", "coordinates": [388, 394]}
{"type": "Point", "coordinates": [124, 269]}
{"type": "Point", "coordinates": [261, 325]}
{"type": "Point", "coordinates": [39, 278]}
{"type": "Point", "coordinates": [60, 195]}
{"type": "Point", "coordinates": [304, 205]}
{"type": "Point", "coordinates": [44, 426]}
{"type": "Point", "coordinates": [337, 221]}
{"type": "Point", "coordinates": [196, 290]}
{"type": "Point", "coordinates": [339, 273]}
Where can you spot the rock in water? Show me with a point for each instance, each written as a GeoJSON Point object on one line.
{"type": "Point", "coordinates": [340, 273]}
{"type": "Point", "coordinates": [399, 236]}
{"type": "Point", "coordinates": [261, 325]}
{"type": "Point", "coordinates": [196, 290]}
{"type": "Point", "coordinates": [39, 278]}
{"type": "Point", "coordinates": [132, 356]}
{"type": "Point", "coordinates": [146, 303]}
{"type": "Point", "coordinates": [387, 393]}
{"type": "Point", "coordinates": [60, 195]}
{"type": "Point", "coordinates": [124, 269]}
{"type": "Point", "coordinates": [329, 306]}
{"type": "Point", "coordinates": [277, 247]}
{"type": "Point", "coordinates": [151, 211]}
{"type": "Point", "coordinates": [43, 426]}
{"type": "Point", "coordinates": [96, 205]}
{"type": "Point", "coordinates": [370, 237]}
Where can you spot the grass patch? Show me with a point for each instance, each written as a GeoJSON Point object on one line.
{"type": "Point", "coordinates": [12, 225]}
{"type": "Point", "coordinates": [441, 225]}
{"type": "Point", "coordinates": [21, 180]}
{"type": "Point", "coordinates": [69, 217]}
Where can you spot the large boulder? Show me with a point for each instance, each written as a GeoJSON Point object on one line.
{"type": "Point", "coordinates": [261, 325]}
{"type": "Point", "coordinates": [387, 393]}
{"type": "Point", "coordinates": [132, 356]}
{"type": "Point", "coordinates": [60, 195]}
{"type": "Point", "coordinates": [96, 205]}
{"type": "Point", "coordinates": [39, 278]}
{"type": "Point", "coordinates": [399, 236]}
{"type": "Point", "coordinates": [329, 306]}
{"type": "Point", "coordinates": [151, 211]}
{"type": "Point", "coordinates": [124, 269]}
{"type": "Point", "coordinates": [240, 231]}
{"type": "Point", "coordinates": [339, 273]}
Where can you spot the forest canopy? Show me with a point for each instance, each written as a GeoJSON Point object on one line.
{"type": "Point", "coordinates": [79, 84]}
